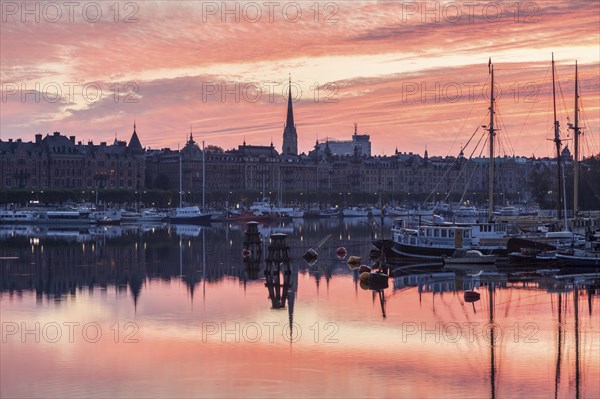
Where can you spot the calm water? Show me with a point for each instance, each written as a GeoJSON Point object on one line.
{"type": "Point", "coordinates": [174, 312]}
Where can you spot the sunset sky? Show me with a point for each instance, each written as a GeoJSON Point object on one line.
{"type": "Point", "coordinates": [413, 75]}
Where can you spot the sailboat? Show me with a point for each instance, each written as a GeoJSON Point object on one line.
{"type": "Point", "coordinates": [437, 240]}
{"type": "Point", "coordinates": [565, 234]}
{"type": "Point", "coordinates": [189, 214]}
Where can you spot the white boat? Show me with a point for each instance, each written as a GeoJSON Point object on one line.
{"type": "Point", "coordinates": [466, 211]}
{"type": "Point", "coordinates": [188, 215]}
{"type": "Point", "coordinates": [436, 240]}
{"type": "Point", "coordinates": [267, 208]}
{"type": "Point", "coordinates": [110, 216]}
{"type": "Point", "coordinates": [18, 217]}
{"type": "Point", "coordinates": [152, 215]}
{"type": "Point", "coordinates": [65, 217]}
{"type": "Point", "coordinates": [509, 211]}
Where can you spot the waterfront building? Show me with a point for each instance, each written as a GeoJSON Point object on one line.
{"type": "Point", "coordinates": [59, 162]}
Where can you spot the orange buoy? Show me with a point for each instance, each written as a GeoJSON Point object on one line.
{"type": "Point", "coordinates": [363, 269]}
{"type": "Point", "coordinates": [364, 277]}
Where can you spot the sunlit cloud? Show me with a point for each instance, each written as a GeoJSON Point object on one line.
{"type": "Point", "coordinates": [350, 62]}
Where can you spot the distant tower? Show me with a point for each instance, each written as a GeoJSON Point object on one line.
{"type": "Point", "coordinates": [134, 142]}
{"type": "Point", "coordinates": [290, 137]}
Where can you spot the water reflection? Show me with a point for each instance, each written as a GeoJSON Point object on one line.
{"type": "Point", "coordinates": [529, 332]}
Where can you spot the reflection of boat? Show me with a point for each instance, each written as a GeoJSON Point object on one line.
{"type": "Point", "coordinates": [472, 256]}
{"type": "Point", "coordinates": [187, 230]}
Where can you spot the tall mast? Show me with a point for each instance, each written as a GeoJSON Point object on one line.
{"type": "Point", "coordinates": [492, 134]}
{"type": "Point", "coordinates": [576, 131]}
{"type": "Point", "coordinates": [180, 181]}
{"type": "Point", "coordinates": [203, 177]}
{"type": "Point", "coordinates": [558, 143]}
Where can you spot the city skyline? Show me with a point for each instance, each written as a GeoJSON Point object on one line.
{"type": "Point", "coordinates": [401, 72]}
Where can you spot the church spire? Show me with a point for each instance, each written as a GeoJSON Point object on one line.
{"type": "Point", "coordinates": [290, 136]}
{"type": "Point", "coordinates": [290, 111]}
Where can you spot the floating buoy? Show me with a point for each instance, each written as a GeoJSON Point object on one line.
{"type": "Point", "coordinates": [363, 269]}
{"type": "Point", "coordinates": [341, 253]}
{"type": "Point", "coordinates": [310, 256]}
{"type": "Point", "coordinates": [378, 281]}
{"type": "Point", "coordinates": [246, 252]}
{"type": "Point", "coordinates": [364, 277]}
{"type": "Point", "coordinates": [354, 260]}
{"type": "Point", "coordinates": [472, 296]}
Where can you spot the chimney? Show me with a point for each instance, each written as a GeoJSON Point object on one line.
{"type": "Point", "coordinates": [38, 138]}
{"type": "Point", "coordinates": [72, 138]}
{"type": "Point", "coordinates": [56, 134]}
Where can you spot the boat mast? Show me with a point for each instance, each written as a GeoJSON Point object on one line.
{"type": "Point", "coordinates": [577, 132]}
{"type": "Point", "coordinates": [492, 134]}
{"type": "Point", "coordinates": [203, 176]}
{"type": "Point", "coordinates": [180, 182]}
{"type": "Point", "coordinates": [558, 143]}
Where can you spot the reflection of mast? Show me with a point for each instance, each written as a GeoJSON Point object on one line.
{"type": "Point", "coordinates": [382, 301]}
{"type": "Point", "coordinates": [576, 306]}
{"type": "Point", "coordinates": [492, 342]}
{"type": "Point", "coordinates": [203, 266]}
{"type": "Point", "coordinates": [558, 353]}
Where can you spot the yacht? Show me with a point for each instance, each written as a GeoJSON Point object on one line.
{"type": "Point", "coordinates": [18, 217]}
{"type": "Point", "coordinates": [433, 241]}
{"type": "Point", "coordinates": [188, 215]}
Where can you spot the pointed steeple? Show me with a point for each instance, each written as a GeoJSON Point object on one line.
{"type": "Point", "coordinates": [134, 143]}
{"type": "Point", "coordinates": [289, 121]}
{"type": "Point", "coordinates": [290, 136]}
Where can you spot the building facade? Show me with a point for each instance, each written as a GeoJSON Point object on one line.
{"type": "Point", "coordinates": [59, 162]}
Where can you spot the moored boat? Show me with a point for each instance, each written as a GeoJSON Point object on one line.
{"type": "Point", "coordinates": [188, 215]}
{"type": "Point", "coordinates": [578, 257]}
